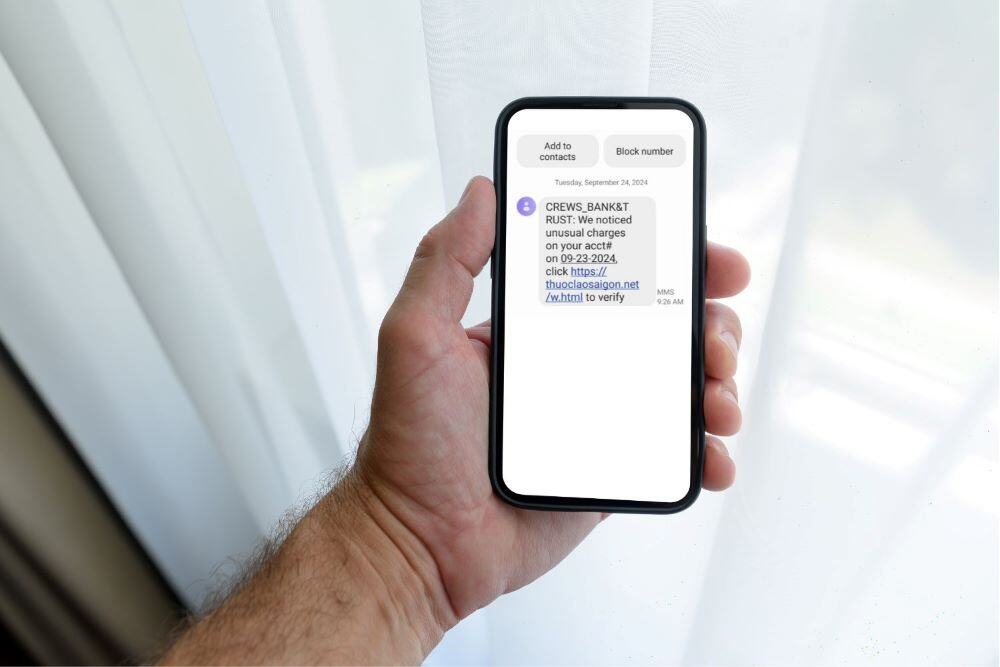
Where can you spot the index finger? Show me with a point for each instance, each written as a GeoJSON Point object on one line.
{"type": "Point", "coordinates": [727, 273]}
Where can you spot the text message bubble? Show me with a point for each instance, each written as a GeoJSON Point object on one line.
{"type": "Point", "coordinates": [644, 150]}
{"type": "Point", "coordinates": [551, 150]}
{"type": "Point", "coordinates": [597, 251]}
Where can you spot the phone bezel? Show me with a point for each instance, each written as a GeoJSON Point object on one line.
{"type": "Point", "coordinates": [498, 273]}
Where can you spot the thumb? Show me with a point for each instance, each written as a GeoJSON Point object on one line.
{"type": "Point", "coordinates": [451, 254]}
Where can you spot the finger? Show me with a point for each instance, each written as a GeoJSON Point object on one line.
{"type": "Point", "coordinates": [481, 332]}
{"type": "Point", "coordinates": [720, 471]}
{"type": "Point", "coordinates": [728, 272]}
{"type": "Point", "coordinates": [451, 254]}
{"type": "Point", "coordinates": [723, 336]}
{"type": "Point", "coordinates": [722, 409]}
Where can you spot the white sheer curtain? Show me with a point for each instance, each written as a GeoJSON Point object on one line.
{"type": "Point", "coordinates": [205, 209]}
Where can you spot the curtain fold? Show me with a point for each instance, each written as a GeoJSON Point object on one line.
{"type": "Point", "coordinates": [72, 321]}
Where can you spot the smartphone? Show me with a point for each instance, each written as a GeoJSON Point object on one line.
{"type": "Point", "coordinates": [597, 372]}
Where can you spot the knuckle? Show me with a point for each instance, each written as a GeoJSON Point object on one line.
{"type": "Point", "coordinates": [392, 329]}
{"type": "Point", "coordinates": [428, 246]}
{"type": "Point", "coordinates": [409, 331]}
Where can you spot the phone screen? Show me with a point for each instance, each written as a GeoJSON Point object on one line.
{"type": "Point", "coordinates": [599, 295]}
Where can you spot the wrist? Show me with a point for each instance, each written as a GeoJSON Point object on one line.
{"type": "Point", "coordinates": [391, 567]}
{"type": "Point", "coordinates": [350, 585]}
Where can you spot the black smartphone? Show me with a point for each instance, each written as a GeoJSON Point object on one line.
{"type": "Point", "coordinates": [597, 372]}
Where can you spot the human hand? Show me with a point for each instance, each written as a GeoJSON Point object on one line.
{"type": "Point", "coordinates": [425, 452]}
{"type": "Point", "coordinates": [413, 539]}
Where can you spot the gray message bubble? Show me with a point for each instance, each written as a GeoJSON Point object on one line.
{"type": "Point", "coordinates": [644, 150]}
{"type": "Point", "coordinates": [557, 150]}
{"type": "Point", "coordinates": [597, 251]}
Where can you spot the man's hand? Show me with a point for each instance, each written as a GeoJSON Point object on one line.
{"type": "Point", "coordinates": [426, 447]}
{"type": "Point", "coordinates": [414, 539]}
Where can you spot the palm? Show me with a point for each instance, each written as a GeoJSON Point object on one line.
{"type": "Point", "coordinates": [437, 462]}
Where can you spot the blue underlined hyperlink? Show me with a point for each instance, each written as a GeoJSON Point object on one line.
{"type": "Point", "coordinates": [593, 285]}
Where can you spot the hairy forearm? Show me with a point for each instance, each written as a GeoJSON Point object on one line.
{"type": "Point", "coordinates": [350, 585]}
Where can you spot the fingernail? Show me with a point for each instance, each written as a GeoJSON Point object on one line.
{"type": "Point", "coordinates": [720, 447]}
{"type": "Point", "coordinates": [729, 339]}
{"type": "Point", "coordinates": [729, 394]}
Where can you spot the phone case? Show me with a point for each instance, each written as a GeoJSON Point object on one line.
{"type": "Point", "coordinates": [497, 272]}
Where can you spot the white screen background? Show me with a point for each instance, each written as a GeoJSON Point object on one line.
{"type": "Point", "coordinates": [597, 398]}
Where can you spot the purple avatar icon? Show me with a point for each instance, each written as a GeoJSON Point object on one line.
{"type": "Point", "coordinates": [525, 205]}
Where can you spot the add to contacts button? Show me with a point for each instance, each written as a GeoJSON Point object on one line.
{"type": "Point", "coordinates": [551, 150]}
{"type": "Point", "coordinates": [644, 150]}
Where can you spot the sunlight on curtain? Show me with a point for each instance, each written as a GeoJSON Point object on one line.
{"type": "Point", "coordinates": [207, 207]}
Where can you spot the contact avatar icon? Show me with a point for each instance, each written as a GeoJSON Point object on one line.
{"type": "Point", "coordinates": [525, 205]}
